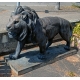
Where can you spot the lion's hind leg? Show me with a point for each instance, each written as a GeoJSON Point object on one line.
{"type": "Point", "coordinates": [66, 35]}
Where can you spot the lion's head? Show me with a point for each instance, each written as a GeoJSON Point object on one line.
{"type": "Point", "coordinates": [18, 26]}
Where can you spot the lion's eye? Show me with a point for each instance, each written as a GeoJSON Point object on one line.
{"type": "Point", "coordinates": [16, 22]}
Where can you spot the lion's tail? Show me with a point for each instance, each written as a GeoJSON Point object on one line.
{"type": "Point", "coordinates": [71, 29]}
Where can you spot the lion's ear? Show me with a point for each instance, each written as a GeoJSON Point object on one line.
{"type": "Point", "coordinates": [24, 15]}
{"type": "Point", "coordinates": [27, 20]}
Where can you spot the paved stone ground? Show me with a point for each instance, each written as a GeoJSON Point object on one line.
{"type": "Point", "coordinates": [62, 68]}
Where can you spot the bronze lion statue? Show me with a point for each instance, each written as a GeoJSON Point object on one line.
{"type": "Point", "coordinates": [41, 30]}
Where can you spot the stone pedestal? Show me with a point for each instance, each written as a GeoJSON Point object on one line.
{"type": "Point", "coordinates": [29, 61]}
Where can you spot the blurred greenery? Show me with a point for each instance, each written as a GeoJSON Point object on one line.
{"type": "Point", "coordinates": [76, 5]}
{"type": "Point", "coordinates": [71, 74]}
{"type": "Point", "coordinates": [76, 29]}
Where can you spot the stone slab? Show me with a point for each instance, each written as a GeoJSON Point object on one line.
{"type": "Point", "coordinates": [29, 60]}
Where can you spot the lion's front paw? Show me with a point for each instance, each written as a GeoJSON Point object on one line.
{"type": "Point", "coordinates": [13, 57]}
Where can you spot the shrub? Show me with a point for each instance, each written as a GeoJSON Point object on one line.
{"type": "Point", "coordinates": [76, 29]}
